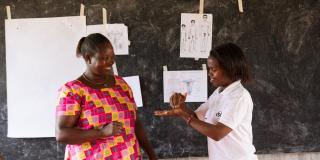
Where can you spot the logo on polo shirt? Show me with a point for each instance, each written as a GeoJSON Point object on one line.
{"type": "Point", "coordinates": [218, 114]}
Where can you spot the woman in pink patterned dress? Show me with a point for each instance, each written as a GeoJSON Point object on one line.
{"type": "Point", "coordinates": [96, 113]}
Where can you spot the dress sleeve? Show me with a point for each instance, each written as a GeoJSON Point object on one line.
{"type": "Point", "coordinates": [131, 97]}
{"type": "Point", "coordinates": [127, 89]}
{"type": "Point", "coordinates": [68, 102]}
{"type": "Point", "coordinates": [130, 92]}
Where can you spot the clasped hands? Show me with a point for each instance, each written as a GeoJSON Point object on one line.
{"type": "Point", "coordinates": [177, 103]}
{"type": "Point", "coordinates": [112, 129]}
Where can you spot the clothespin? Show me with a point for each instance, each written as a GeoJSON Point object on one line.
{"type": "Point", "coordinates": [8, 12]}
{"type": "Point", "coordinates": [82, 9]}
{"type": "Point", "coordinates": [204, 67]}
{"type": "Point", "coordinates": [201, 6]}
{"type": "Point", "coordinates": [165, 68]}
{"type": "Point", "coordinates": [240, 6]}
{"type": "Point", "coordinates": [104, 16]}
{"type": "Point", "coordinates": [114, 69]}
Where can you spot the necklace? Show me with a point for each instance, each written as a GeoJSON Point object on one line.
{"type": "Point", "coordinates": [93, 82]}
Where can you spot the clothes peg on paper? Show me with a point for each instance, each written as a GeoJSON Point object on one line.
{"type": "Point", "coordinates": [240, 6]}
{"type": "Point", "coordinates": [8, 12]}
{"type": "Point", "coordinates": [82, 9]}
{"type": "Point", "coordinates": [165, 68]}
{"type": "Point", "coordinates": [201, 6]}
{"type": "Point", "coordinates": [104, 16]}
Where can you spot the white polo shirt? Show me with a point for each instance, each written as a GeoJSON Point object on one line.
{"type": "Point", "coordinates": [233, 108]}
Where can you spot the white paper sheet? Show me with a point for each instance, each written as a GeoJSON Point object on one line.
{"type": "Point", "coordinates": [40, 57]}
{"type": "Point", "coordinates": [99, 28]}
{"type": "Point", "coordinates": [194, 83]}
{"type": "Point", "coordinates": [134, 84]}
{"type": "Point", "coordinates": [116, 33]}
{"type": "Point", "coordinates": [196, 35]}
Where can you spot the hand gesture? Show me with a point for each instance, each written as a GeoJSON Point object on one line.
{"type": "Point", "coordinates": [177, 100]}
{"type": "Point", "coordinates": [112, 129]}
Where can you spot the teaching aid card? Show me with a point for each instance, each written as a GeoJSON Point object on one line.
{"type": "Point", "coordinates": [196, 35]}
{"type": "Point", "coordinates": [194, 83]}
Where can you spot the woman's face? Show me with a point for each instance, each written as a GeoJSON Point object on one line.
{"type": "Point", "coordinates": [101, 63]}
{"type": "Point", "coordinates": [218, 77]}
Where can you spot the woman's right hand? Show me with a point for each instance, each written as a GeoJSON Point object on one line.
{"type": "Point", "coordinates": [112, 129]}
{"type": "Point", "coordinates": [177, 100]}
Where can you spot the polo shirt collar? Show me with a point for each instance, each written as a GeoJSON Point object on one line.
{"type": "Point", "coordinates": [230, 88]}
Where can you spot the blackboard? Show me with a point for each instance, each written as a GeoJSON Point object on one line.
{"type": "Point", "coordinates": [280, 39]}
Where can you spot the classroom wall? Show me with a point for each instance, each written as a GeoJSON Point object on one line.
{"type": "Point", "coordinates": [279, 37]}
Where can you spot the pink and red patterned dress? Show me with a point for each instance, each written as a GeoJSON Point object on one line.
{"type": "Point", "coordinates": [97, 108]}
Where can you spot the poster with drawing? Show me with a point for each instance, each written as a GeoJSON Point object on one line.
{"type": "Point", "coordinates": [194, 83]}
{"type": "Point", "coordinates": [116, 33]}
{"type": "Point", "coordinates": [196, 35]}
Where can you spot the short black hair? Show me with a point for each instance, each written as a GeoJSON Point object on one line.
{"type": "Point", "coordinates": [232, 60]}
{"type": "Point", "coordinates": [88, 46]}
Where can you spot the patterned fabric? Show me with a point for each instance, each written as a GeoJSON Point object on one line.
{"type": "Point", "coordinates": [97, 108]}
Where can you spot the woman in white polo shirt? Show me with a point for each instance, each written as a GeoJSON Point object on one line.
{"type": "Point", "coordinates": [225, 118]}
